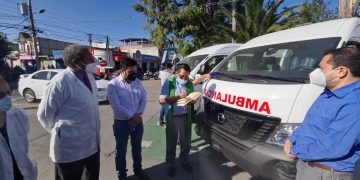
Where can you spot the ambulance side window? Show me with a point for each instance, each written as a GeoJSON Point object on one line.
{"type": "Point", "coordinates": [354, 38]}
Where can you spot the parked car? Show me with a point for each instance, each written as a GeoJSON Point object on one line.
{"type": "Point", "coordinates": [32, 86]}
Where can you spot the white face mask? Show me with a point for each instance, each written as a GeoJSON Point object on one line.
{"type": "Point", "coordinates": [91, 68]}
{"type": "Point", "coordinates": [317, 77]}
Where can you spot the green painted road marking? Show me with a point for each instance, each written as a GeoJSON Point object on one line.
{"type": "Point", "coordinates": [154, 143]}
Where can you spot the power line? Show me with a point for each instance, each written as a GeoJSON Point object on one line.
{"type": "Point", "coordinates": [14, 25]}
{"type": "Point", "coordinates": [53, 15]}
{"type": "Point", "coordinates": [106, 20]}
{"type": "Point", "coordinates": [64, 37]}
{"type": "Point", "coordinates": [86, 12]}
{"type": "Point", "coordinates": [61, 27]}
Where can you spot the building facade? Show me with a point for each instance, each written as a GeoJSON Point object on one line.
{"type": "Point", "coordinates": [143, 51]}
{"type": "Point", "coordinates": [45, 46]}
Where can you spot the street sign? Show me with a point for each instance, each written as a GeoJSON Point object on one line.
{"type": "Point", "coordinates": [58, 54]}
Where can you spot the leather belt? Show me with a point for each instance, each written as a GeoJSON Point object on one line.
{"type": "Point", "coordinates": [314, 164]}
{"type": "Point", "coordinates": [121, 121]}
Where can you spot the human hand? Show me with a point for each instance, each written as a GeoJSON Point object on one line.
{"type": "Point", "coordinates": [182, 94]}
{"type": "Point", "coordinates": [207, 76]}
{"type": "Point", "coordinates": [132, 123]}
{"type": "Point", "coordinates": [136, 119]}
{"type": "Point", "coordinates": [287, 148]}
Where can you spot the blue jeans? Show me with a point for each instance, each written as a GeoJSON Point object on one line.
{"type": "Point", "coordinates": [162, 112]}
{"type": "Point", "coordinates": [122, 132]}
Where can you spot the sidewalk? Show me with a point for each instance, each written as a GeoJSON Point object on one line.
{"type": "Point", "coordinates": [207, 163]}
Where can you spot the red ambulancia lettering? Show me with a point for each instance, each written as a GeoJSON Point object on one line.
{"type": "Point", "coordinates": [233, 99]}
{"type": "Point", "coordinates": [265, 107]}
{"type": "Point", "coordinates": [225, 99]}
{"type": "Point", "coordinates": [251, 104]}
{"type": "Point", "coordinates": [218, 97]}
{"type": "Point", "coordinates": [240, 101]}
{"type": "Point", "coordinates": [248, 103]}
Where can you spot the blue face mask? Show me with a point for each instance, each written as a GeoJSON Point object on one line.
{"type": "Point", "coordinates": [181, 81]}
{"type": "Point", "coordinates": [5, 103]}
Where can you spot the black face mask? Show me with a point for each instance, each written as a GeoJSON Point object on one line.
{"type": "Point", "coordinates": [131, 76]}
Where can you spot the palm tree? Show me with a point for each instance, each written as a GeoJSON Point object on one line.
{"type": "Point", "coordinates": [257, 18]}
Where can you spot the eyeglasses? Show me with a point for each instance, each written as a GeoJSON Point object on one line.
{"type": "Point", "coordinates": [3, 94]}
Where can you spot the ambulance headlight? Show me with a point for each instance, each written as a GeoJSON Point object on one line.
{"type": "Point", "coordinates": [282, 133]}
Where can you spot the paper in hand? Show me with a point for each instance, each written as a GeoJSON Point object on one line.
{"type": "Point", "coordinates": [191, 97]}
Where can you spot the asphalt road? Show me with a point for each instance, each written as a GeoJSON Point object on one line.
{"type": "Point", "coordinates": [208, 164]}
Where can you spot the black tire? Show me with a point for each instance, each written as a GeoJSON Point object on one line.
{"type": "Point", "coordinates": [29, 95]}
{"type": "Point", "coordinates": [146, 77]}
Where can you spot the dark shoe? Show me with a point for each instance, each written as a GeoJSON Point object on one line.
{"type": "Point", "coordinates": [141, 174]}
{"type": "Point", "coordinates": [187, 167]}
{"type": "Point", "coordinates": [171, 171]}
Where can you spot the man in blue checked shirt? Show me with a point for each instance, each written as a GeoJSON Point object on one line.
{"type": "Point", "coordinates": [127, 98]}
{"type": "Point", "coordinates": [327, 143]}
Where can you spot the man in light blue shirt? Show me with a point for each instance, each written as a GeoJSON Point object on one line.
{"type": "Point", "coordinates": [127, 98]}
{"type": "Point", "coordinates": [327, 143]}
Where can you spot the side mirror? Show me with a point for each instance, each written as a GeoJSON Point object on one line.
{"type": "Point", "coordinates": [203, 69]}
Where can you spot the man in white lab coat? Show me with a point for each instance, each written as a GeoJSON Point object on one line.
{"type": "Point", "coordinates": [70, 112]}
{"type": "Point", "coordinates": [14, 128]}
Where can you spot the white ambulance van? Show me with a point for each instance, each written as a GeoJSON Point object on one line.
{"type": "Point", "coordinates": [210, 56]}
{"type": "Point", "coordinates": [262, 93]}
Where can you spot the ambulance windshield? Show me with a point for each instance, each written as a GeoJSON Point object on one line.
{"type": "Point", "coordinates": [291, 61]}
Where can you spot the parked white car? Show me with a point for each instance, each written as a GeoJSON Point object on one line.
{"type": "Point", "coordinates": [32, 86]}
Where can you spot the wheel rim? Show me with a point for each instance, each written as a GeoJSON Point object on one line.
{"type": "Point", "coordinates": [29, 95]}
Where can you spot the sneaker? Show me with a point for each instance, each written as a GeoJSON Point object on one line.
{"type": "Point", "coordinates": [187, 167]}
{"type": "Point", "coordinates": [141, 174]}
{"type": "Point", "coordinates": [171, 171]}
{"type": "Point", "coordinates": [159, 123]}
{"type": "Point", "coordinates": [162, 123]}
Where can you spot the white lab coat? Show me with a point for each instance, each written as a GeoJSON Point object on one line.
{"type": "Point", "coordinates": [70, 112]}
{"type": "Point", "coordinates": [17, 126]}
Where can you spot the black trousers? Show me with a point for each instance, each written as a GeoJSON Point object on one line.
{"type": "Point", "coordinates": [84, 169]}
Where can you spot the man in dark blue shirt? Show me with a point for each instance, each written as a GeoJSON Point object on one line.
{"type": "Point", "coordinates": [327, 143]}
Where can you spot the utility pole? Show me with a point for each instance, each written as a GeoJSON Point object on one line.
{"type": "Point", "coordinates": [108, 48]}
{"type": "Point", "coordinates": [90, 41]}
{"type": "Point", "coordinates": [347, 8]}
{"type": "Point", "coordinates": [33, 36]}
{"type": "Point", "coordinates": [234, 7]}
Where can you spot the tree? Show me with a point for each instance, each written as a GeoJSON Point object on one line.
{"type": "Point", "coordinates": [186, 24]}
{"type": "Point", "coordinates": [4, 51]}
{"type": "Point", "coordinates": [4, 47]}
{"type": "Point", "coordinates": [193, 24]}
{"type": "Point", "coordinates": [259, 17]}
{"type": "Point", "coordinates": [347, 8]}
{"type": "Point", "coordinates": [313, 12]}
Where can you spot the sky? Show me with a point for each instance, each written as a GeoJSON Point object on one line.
{"type": "Point", "coordinates": [71, 20]}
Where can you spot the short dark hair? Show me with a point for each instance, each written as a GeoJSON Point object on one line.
{"type": "Point", "coordinates": [184, 66]}
{"type": "Point", "coordinates": [168, 65]}
{"type": "Point", "coordinates": [346, 56]}
{"type": "Point", "coordinates": [128, 62]}
{"type": "Point", "coordinates": [73, 54]}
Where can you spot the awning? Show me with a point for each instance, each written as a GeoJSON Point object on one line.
{"type": "Point", "coordinates": [25, 57]}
